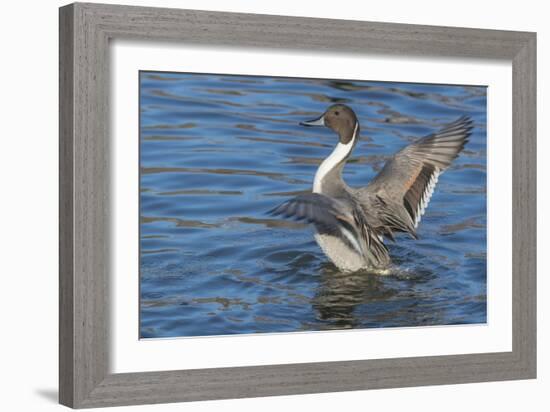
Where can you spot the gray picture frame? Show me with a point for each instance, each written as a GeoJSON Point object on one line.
{"type": "Point", "coordinates": [85, 33]}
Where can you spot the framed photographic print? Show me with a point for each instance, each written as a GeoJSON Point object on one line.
{"type": "Point", "coordinates": [260, 205]}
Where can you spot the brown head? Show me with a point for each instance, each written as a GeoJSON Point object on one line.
{"type": "Point", "coordinates": [339, 118]}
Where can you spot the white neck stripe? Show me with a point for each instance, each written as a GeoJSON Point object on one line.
{"type": "Point", "coordinates": [340, 152]}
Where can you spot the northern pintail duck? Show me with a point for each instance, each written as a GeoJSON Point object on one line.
{"type": "Point", "coordinates": [352, 223]}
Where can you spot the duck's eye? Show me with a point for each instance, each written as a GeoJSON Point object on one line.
{"type": "Point", "coordinates": [336, 113]}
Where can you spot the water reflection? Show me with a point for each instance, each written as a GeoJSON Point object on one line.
{"type": "Point", "coordinates": [340, 295]}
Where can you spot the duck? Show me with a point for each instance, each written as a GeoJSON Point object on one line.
{"type": "Point", "coordinates": [353, 224]}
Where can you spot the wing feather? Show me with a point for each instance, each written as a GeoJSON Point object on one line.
{"type": "Point", "coordinates": [339, 218]}
{"type": "Point", "coordinates": [313, 208]}
{"type": "Point", "coordinates": [408, 179]}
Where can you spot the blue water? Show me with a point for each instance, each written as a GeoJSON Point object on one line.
{"type": "Point", "coordinates": [218, 151]}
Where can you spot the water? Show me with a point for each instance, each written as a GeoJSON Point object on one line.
{"type": "Point", "coordinates": [218, 151]}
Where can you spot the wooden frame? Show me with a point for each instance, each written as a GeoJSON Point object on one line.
{"type": "Point", "coordinates": [85, 31]}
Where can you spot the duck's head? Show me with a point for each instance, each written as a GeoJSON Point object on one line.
{"type": "Point", "coordinates": [339, 118]}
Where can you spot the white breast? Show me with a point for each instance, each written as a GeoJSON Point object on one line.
{"type": "Point", "coordinates": [339, 253]}
{"type": "Point", "coordinates": [343, 256]}
{"type": "Point", "coordinates": [340, 152]}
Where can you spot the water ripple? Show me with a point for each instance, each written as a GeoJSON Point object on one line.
{"type": "Point", "coordinates": [218, 151]}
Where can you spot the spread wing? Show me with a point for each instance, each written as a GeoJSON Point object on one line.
{"type": "Point", "coordinates": [313, 208]}
{"type": "Point", "coordinates": [331, 215]}
{"type": "Point", "coordinates": [409, 178]}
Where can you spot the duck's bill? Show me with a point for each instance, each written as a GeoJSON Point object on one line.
{"type": "Point", "coordinates": [315, 122]}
